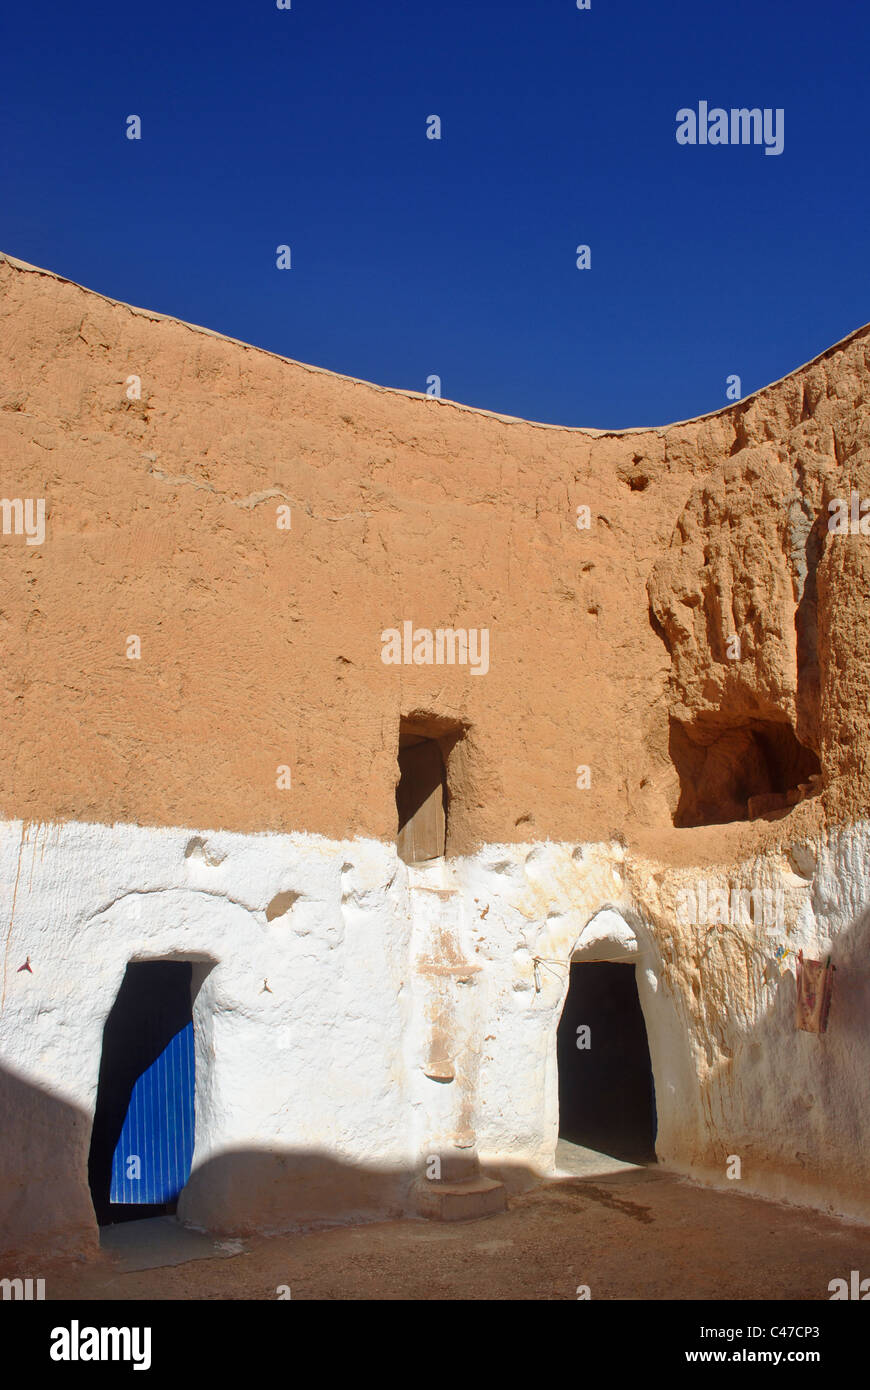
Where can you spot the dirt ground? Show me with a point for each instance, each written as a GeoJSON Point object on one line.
{"type": "Point", "coordinates": [640, 1234]}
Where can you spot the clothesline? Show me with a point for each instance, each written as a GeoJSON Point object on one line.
{"type": "Point", "coordinates": [599, 960]}
{"type": "Point", "coordinates": [544, 960]}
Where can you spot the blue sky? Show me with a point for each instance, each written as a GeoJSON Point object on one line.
{"type": "Point", "coordinates": [412, 257]}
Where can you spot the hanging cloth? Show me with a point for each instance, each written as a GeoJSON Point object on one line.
{"type": "Point", "coordinates": [814, 981]}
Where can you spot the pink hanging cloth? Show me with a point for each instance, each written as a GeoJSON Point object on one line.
{"type": "Point", "coordinates": [814, 982]}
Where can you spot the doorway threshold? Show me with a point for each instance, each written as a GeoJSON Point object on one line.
{"type": "Point", "coordinates": [160, 1241]}
{"type": "Point", "coordinates": [575, 1161]}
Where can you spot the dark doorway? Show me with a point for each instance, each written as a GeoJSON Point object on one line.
{"type": "Point", "coordinates": [421, 799]}
{"type": "Point", "coordinates": [606, 1091]}
{"type": "Point", "coordinates": [142, 1138]}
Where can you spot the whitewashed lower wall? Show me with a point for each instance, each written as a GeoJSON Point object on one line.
{"type": "Point", "coordinates": [387, 1014]}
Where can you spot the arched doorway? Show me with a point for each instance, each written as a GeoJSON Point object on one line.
{"type": "Point", "coordinates": [606, 1088]}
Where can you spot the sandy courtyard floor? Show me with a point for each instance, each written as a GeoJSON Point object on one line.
{"type": "Point", "coordinates": [633, 1233]}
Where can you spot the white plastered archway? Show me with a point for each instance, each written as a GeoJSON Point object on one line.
{"type": "Point", "coordinates": [223, 941]}
{"type": "Point", "coordinates": [619, 935]}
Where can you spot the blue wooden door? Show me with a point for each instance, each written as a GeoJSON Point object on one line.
{"type": "Point", "coordinates": [142, 1137]}
{"type": "Point", "coordinates": [151, 1162]}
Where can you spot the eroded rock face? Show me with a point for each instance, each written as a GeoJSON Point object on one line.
{"type": "Point", "coordinates": [728, 574]}
{"type": "Point", "coordinates": [736, 599]}
{"type": "Point", "coordinates": [261, 646]}
{"type": "Point", "coordinates": [228, 795]}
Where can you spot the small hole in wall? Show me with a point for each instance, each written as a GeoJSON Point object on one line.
{"type": "Point", "coordinates": [197, 848]}
{"type": "Point", "coordinates": [634, 474]}
{"type": "Point", "coordinates": [281, 904]}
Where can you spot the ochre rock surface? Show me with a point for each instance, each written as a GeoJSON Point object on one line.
{"type": "Point", "coordinates": [699, 648]}
{"type": "Point", "coordinates": [261, 648]}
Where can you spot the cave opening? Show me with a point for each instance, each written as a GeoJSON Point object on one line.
{"type": "Point", "coordinates": [740, 773]}
{"type": "Point", "coordinates": [606, 1088]}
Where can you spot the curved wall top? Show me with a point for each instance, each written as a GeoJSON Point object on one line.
{"type": "Point", "coordinates": [261, 629]}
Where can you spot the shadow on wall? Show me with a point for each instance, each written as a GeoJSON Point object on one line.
{"type": "Point", "coordinates": [793, 1106]}
{"type": "Point", "coordinates": [46, 1208]}
{"type": "Point", "coordinates": [44, 1195]}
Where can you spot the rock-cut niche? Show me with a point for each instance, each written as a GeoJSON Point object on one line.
{"type": "Point", "coordinates": [751, 748]}
{"type": "Point", "coordinates": [739, 773]}
{"type": "Point", "coordinates": [423, 790]}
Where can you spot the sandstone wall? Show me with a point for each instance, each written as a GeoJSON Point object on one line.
{"type": "Point", "coordinates": [261, 647]}
{"type": "Point", "coordinates": [401, 1018]}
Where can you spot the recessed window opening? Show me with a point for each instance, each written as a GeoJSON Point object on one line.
{"type": "Point", "coordinates": [422, 796]}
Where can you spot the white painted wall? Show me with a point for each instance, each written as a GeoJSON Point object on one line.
{"type": "Point", "coordinates": [313, 1100]}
